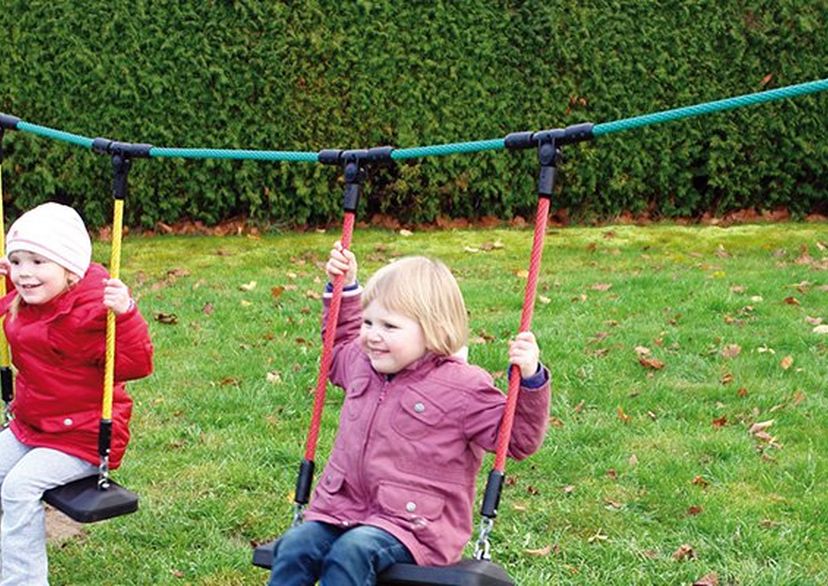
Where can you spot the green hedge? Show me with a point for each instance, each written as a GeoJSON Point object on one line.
{"type": "Point", "coordinates": [325, 74]}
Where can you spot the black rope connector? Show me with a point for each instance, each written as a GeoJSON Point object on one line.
{"type": "Point", "coordinates": [122, 154]}
{"type": "Point", "coordinates": [104, 438]}
{"type": "Point", "coordinates": [129, 150]}
{"type": "Point", "coordinates": [304, 481]}
{"type": "Point", "coordinates": [7, 384]}
{"type": "Point", "coordinates": [491, 498]}
{"type": "Point", "coordinates": [563, 136]}
{"type": "Point", "coordinates": [8, 122]}
{"type": "Point", "coordinates": [353, 168]}
{"type": "Point", "coordinates": [548, 143]}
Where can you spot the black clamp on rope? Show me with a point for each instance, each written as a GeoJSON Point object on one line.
{"type": "Point", "coordinates": [548, 143]}
{"type": "Point", "coordinates": [7, 122]}
{"type": "Point", "coordinates": [491, 498]}
{"type": "Point", "coordinates": [122, 154]}
{"type": "Point", "coordinates": [304, 480]}
{"type": "Point", "coordinates": [353, 165]}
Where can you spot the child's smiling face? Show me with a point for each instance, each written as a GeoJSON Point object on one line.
{"type": "Point", "coordinates": [37, 279]}
{"type": "Point", "coordinates": [391, 340]}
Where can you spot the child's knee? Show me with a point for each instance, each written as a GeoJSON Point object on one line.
{"type": "Point", "coordinates": [19, 487]}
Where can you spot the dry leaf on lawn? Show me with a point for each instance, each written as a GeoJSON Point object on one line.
{"type": "Point", "coordinates": [653, 363]}
{"type": "Point", "coordinates": [760, 426]}
{"type": "Point", "coordinates": [543, 551]}
{"type": "Point", "coordinates": [731, 350]}
{"type": "Point", "coordinates": [684, 552]}
{"type": "Point", "coordinates": [710, 579]}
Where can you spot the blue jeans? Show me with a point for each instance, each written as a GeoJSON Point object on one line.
{"type": "Point", "coordinates": [334, 555]}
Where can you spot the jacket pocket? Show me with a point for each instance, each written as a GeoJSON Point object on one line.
{"type": "Point", "coordinates": [415, 505]}
{"type": "Point", "coordinates": [329, 488]}
{"type": "Point", "coordinates": [416, 416]}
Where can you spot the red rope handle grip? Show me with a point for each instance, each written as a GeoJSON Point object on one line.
{"type": "Point", "coordinates": [505, 431]}
{"type": "Point", "coordinates": [327, 345]}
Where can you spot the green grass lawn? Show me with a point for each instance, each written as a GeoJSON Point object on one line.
{"type": "Point", "coordinates": [639, 460]}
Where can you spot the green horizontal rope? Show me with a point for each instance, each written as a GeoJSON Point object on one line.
{"type": "Point", "coordinates": [459, 147]}
{"type": "Point", "coordinates": [449, 149]}
{"type": "Point", "coordinates": [240, 154]}
{"type": "Point", "coordinates": [75, 139]}
{"type": "Point", "coordinates": [710, 107]}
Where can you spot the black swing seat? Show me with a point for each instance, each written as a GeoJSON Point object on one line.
{"type": "Point", "coordinates": [82, 501]}
{"type": "Point", "coordinates": [463, 573]}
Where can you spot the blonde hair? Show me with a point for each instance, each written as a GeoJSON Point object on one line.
{"type": "Point", "coordinates": [423, 289]}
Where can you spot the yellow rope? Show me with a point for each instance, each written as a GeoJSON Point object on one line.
{"type": "Point", "coordinates": [114, 271]}
{"type": "Point", "coordinates": [5, 359]}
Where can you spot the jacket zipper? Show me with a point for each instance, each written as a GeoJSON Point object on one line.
{"type": "Point", "coordinates": [368, 431]}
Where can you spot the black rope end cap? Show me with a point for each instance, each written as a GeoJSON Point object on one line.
{"type": "Point", "coordinates": [330, 156]}
{"type": "Point", "coordinates": [8, 122]}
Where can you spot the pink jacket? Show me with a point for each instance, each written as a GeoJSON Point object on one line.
{"type": "Point", "coordinates": [409, 449]}
{"type": "Point", "coordinates": [58, 349]}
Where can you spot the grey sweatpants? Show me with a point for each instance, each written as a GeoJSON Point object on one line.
{"type": "Point", "coordinates": [25, 474]}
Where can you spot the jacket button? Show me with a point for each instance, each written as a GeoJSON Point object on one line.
{"type": "Point", "coordinates": [68, 421]}
{"type": "Point", "coordinates": [411, 506]}
{"type": "Point", "coordinates": [419, 407]}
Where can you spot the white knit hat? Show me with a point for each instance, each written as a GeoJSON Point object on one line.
{"type": "Point", "coordinates": [56, 232]}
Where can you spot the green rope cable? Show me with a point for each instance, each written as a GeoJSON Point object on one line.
{"type": "Point", "coordinates": [459, 147]}
{"type": "Point", "coordinates": [449, 149]}
{"type": "Point", "coordinates": [75, 139]}
{"type": "Point", "coordinates": [710, 107]}
{"type": "Point", "coordinates": [240, 154]}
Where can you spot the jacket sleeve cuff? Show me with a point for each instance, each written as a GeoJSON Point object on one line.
{"type": "Point", "coordinates": [347, 290]}
{"type": "Point", "coordinates": [537, 380]}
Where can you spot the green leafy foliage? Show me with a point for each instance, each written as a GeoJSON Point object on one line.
{"type": "Point", "coordinates": [321, 74]}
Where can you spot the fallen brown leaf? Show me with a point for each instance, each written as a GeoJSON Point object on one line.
{"type": "Point", "coordinates": [700, 481]}
{"type": "Point", "coordinates": [543, 551]}
{"type": "Point", "coordinates": [760, 426]}
{"type": "Point", "coordinates": [166, 318]}
{"type": "Point", "coordinates": [623, 416]}
{"type": "Point", "coordinates": [694, 510]}
{"type": "Point", "coordinates": [684, 552]}
{"type": "Point", "coordinates": [786, 362]}
{"type": "Point", "coordinates": [710, 579]}
{"type": "Point", "coordinates": [652, 363]}
{"type": "Point", "coordinates": [731, 350]}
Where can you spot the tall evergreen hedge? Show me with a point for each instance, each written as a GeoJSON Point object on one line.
{"type": "Point", "coordinates": [330, 74]}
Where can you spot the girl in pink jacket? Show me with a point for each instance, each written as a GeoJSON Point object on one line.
{"type": "Point", "coordinates": [55, 323]}
{"type": "Point", "coordinates": [399, 485]}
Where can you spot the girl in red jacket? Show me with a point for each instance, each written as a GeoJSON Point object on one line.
{"type": "Point", "coordinates": [417, 419]}
{"type": "Point", "coordinates": [55, 323]}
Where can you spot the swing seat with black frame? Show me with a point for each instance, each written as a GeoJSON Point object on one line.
{"type": "Point", "coordinates": [467, 572]}
{"type": "Point", "coordinates": [95, 497]}
{"type": "Point", "coordinates": [479, 571]}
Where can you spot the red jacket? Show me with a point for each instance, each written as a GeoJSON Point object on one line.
{"type": "Point", "coordinates": [59, 349]}
{"type": "Point", "coordinates": [409, 448]}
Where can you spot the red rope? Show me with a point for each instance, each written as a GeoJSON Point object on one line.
{"type": "Point", "coordinates": [327, 345]}
{"type": "Point", "coordinates": [505, 432]}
